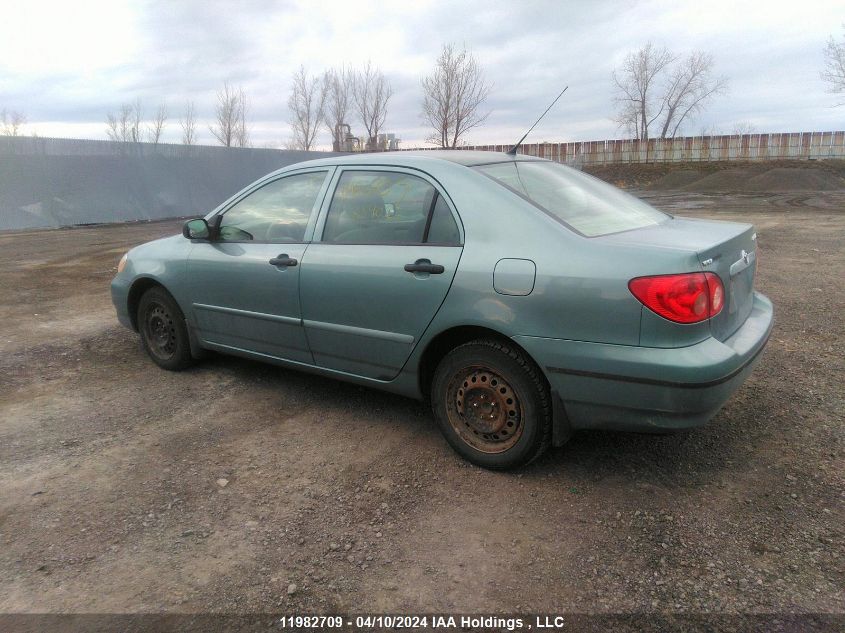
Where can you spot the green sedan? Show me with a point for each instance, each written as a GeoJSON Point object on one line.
{"type": "Point", "coordinates": [523, 299]}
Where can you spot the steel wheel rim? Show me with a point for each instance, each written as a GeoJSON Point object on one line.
{"type": "Point", "coordinates": [160, 331]}
{"type": "Point", "coordinates": [484, 410]}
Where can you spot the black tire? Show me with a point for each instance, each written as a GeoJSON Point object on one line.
{"type": "Point", "coordinates": [164, 335]}
{"type": "Point", "coordinates": [492, 404]}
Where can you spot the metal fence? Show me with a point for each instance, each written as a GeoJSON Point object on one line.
{"type": "Point", "coordinates": [37, 146]}
{"type": "Point", "coordinates": [48, 182]}
{"type": "Point", "coordinates": [780, 146]}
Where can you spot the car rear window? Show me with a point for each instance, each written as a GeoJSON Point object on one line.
{"type": "Point", "coordinates": [586, 204]}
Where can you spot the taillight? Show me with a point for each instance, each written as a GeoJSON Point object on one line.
{"type": "Point", "coordinates": [685, 298]}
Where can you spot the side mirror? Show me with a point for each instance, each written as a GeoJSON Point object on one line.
{"type": "Point", "coordinates": [196, 229]}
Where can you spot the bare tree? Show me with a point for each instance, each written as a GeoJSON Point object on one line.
{"type": "Point", "coordinates": [230, 128]}
{"type": "Point", "coordinates": [307, 105]}
{"type": "Point", "coordinates": [227, 115]}
{"type": "Point", "coordinates": [117, 125]}
{"type": "Point", "coordinates": [690, 84]}
{"type": "Point", "coordinates": [743, 127]}
{"type": "Point", "coordinates": [709, 130]}
{"type": "Point", "coordinates": [371, 92]}
{"type": "Point", "coordinates": [125, 125]}
{"type": "Point", "coordinates": [188, 122]}
{"type": "Point", "coordinates": [453, 95]}
{"type": "Point", "coordinates": [628, 117]}
{"type": "Point", "coordinates": [651, 88]}
{"type": "Point", "coordinates": [135, 122]}
{"type": "Point", "coordinates": [637, 87]}
{"type": "Point", "coordinates": [339, 83]}
{"type": "Point", "coordinates": [242, 129]}
{"type": "Point", "coordinates": [834, 65]}
{"type": "Point", "coordinates": [291, 144]}
{"type": "Point", "coordinates": [159, 122]}
{"type": "Point", "coordinates": [11, 122]}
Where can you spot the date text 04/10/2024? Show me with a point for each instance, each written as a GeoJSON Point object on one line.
{"type": "Point", "coordinates": [423, 621]}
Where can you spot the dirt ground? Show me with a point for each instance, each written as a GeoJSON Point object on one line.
{"type": "Point", "coordinates": [237, 486]}
{"type": "Point", "coordinates": [758, 177]}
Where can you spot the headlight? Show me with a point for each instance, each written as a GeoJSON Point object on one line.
{"type": "Point", "coordinates": [122, 263]}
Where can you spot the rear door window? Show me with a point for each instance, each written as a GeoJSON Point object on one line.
{"type": "Point", "coordinates": [379, 207]}
{"type": "Point", "coordinates": [443, 229]}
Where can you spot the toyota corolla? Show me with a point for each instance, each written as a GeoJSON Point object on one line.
{"type": "Point", "coordinates": [524, 299]}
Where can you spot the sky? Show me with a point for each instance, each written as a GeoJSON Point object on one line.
{"type": "Point", "coordinates": [66, 65]}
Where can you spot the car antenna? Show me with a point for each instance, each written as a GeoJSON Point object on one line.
{"type": "Point", "coordinates": [512, 150]}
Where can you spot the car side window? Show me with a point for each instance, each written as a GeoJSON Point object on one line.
{"type": "Point", "coordinates": [443, 229]}
{"type": "Point", "coordinates": [379, 207]}
{"type": "Point", "coordinates": [277, 212]}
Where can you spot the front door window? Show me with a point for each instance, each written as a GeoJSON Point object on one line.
{"type": "Point", "coordinates": [278, 212]}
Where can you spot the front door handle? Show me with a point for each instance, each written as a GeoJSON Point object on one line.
{"type": "Point", "coordinates": [283, 260]}
{"type": "Point", "coordinates": [424, 266]}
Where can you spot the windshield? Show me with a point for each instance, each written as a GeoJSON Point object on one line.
{"type": "Point", "coordinates": [584, 203]}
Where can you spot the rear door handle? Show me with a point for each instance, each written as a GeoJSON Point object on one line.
{"type": "Point", "coordinates": [283, 260]}
{"type": "Point", "coordinates": [424, 266]}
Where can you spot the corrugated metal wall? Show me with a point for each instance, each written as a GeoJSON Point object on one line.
{"type": "Point", "coordinates": [791, 146]}
{"type": "Point", "coordinates": [47, 182]}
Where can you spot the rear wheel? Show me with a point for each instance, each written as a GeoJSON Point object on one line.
{"type": "Point", "coordinates": [164, 335]}
{"type": "Point", "coordinates": [492, 404]}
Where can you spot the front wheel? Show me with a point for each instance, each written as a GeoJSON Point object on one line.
{"type": "Point", "coordinates": [492, 404]}
{"type": "Point", "coordinates": [164, 334]}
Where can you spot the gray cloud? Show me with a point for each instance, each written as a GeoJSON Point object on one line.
{"type": "Point", "coordinates": [175, 51]}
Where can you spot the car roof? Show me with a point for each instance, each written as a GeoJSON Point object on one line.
{"type": "Point", "coordinates": [468, 157]}
{"type": "Point", "coordinates": [414, 158]}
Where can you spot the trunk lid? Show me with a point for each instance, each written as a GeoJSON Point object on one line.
{"type": "Point", "coordinates": [728, 249]}
{"type": "Point", "coordinates": [735, 261]}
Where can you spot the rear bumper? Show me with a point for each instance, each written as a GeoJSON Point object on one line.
{"type": "Point", "coordinates": [646, 388]}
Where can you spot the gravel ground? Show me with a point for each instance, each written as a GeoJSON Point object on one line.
{"type": "Point", "coordinates": [241, 487]}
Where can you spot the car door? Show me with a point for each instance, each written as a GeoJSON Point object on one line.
{"type": "Point", "coordinates": [244, 284]}
{"type": "Point", "coordinates": [388, 248]}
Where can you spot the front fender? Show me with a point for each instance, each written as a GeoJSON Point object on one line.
{"type": "Point", "coordinates": [162, 262]}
